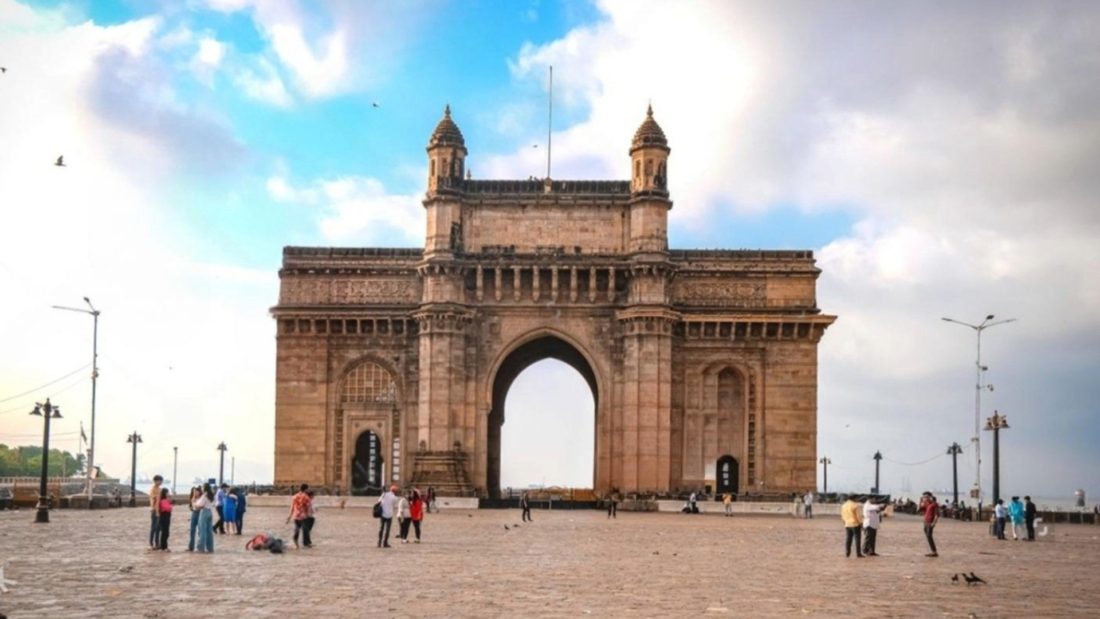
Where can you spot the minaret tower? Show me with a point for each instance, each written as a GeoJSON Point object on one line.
{"type": "Point", "coordinates": [649, 188]}
{"type": "Point", "coordinates": [446, 165]}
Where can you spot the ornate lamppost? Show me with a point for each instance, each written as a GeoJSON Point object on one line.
{"type": "Point", "coordinates": [47, 411]}
{"type": "Point", "coordinates": [221, 465]}
{"type": "Point", "coordinates": [954, 450]}
{"type": "Point", "coordinates": [995, 424]}
{"type": "Point", "coordinates": [825, 462]}
{"type": "Point", "coordinates": [134, 438]}
{"type": "Point", "coordinates": [878, 460]}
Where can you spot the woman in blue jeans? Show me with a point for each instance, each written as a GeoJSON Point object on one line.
{"type": "Point", "coordinates": [195, 492]}
{"type": "Point", "coordinates": [205, 506]}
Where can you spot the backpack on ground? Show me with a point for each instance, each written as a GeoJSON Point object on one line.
{"type": "Point", "coordinates": [276, 546]}
{"type": "Point", "coordinates": [260, 542]}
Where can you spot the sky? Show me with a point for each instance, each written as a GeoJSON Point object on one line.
{"type": "Point", "coordinates": [941, 159]}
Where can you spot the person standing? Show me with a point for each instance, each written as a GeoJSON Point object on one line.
{"type": "Point", "coordinates": [1016, 513]}
{"type": "Point", "coordinates": [808, 504]}
{"type": "Point", "coordinates": [299, 511]}
{"type": "Point", "coordinates": [205, 505]}
{"type": "Point", "coordinates": [219, 506]}
{"type": "Point", "coordinates": [154, 508]}
{"type": "Point", "coordinates": [164, 520]}
{"type": "Point", "coordinates": [931, 511]}
{"type": "Point", "coordinates": [196, 492]}
{"type": "Point", "coordinates": [524, 504]}
{"type": "Point", "coordinates": [851, 514]}
{"type": "Point", "coordinates": [613, 504]}
{"type": "Point", "coordinates": [727, 500]}
{"type": "Point", "coordinates": [388, 501]}
{"type": "Point", "coordinates": [872, 517]}
{"type": "Point", "coordinates": [403, 518]}
{"type": "Point", "coordinates": [692, 507]}
{"type": "Point", "coordinates": [416, 512]}
{"type": "Point", "coordinates": [431, 499]}
{"type": "Point", "coordinates": [311, 519]}
{"type": "Point", "coordinates": [1029, 518]}
{"type": "Point", "coordinates": [241, 504]}
{"type": "Point", "coordinates": [999, 515]}
{"type": "Point", "coordinates": [229, 511]}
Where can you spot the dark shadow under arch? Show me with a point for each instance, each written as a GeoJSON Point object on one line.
{"type": "Point", "coordinates": [546, 347]}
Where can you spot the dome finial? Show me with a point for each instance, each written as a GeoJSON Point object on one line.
{"type": "Point", "coordinates": [447, 132]}
{"type": "Point", "coordinates": [649, 133]}
{"type": "Point", "coordinates": [447, 111]}
{"type": "Point", "coordinates": [649, 110]}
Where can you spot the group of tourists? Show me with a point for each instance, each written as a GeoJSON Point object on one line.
{"type": "Point", "coordinates": [862, 517]}
{"type": "Point", "coordinates": [1020, 514]}
{"type": "Point", "coordinates": [229, 503]}
{"type": "Point", "coordinates": [409, 510]}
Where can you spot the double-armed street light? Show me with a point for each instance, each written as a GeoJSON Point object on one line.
{"type": "Point", "coordinates": [979, 368]}
{"type": "Point", "coordinates": [954, 450]}
{"type": "Point", "coordinates": [825, 462]}
{"type": "Point", "coordinates": [94, 313]}
{"type": "Point", "coordinates": [47, 411]}
{"type": "Point", "coordinates": [995, 424]}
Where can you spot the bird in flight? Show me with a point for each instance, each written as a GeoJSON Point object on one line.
{"type": "Point", "coordinates": [3, 69]}
{"type": "Point", "coordinates": [375, 104]}
{"type": "Point", "coordinates": [60, 161]}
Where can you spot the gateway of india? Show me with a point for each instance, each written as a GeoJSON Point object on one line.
{"type": "Point", "coordinates": [393, 365]}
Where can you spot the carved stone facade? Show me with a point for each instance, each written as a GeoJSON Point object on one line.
{"type": "Point", "coordinates": [393, 364]}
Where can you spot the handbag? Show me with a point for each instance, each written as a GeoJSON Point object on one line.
{"type": "Point", "coordinates": [378, 509]}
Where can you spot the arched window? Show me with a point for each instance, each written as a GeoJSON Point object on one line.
{"type": "Point", "coordinates": [369, 382]}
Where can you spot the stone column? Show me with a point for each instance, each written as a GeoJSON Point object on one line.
{"type": "Point", "coordinates": [646, 430]}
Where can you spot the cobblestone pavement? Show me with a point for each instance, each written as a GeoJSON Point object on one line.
{"type": "Point", "coordinates": [565, 564]}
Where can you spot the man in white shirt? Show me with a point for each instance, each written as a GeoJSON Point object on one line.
{"type": "Point", "coordinates": [808, 503]}
{"type": "Point", "coordinates": [871, 519]}
{"type": "Point", "coordinates": [388, 501]}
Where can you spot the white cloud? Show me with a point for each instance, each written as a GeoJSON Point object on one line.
{"type": "Point", "coordinates": [209, 57]}
{"type": "Point", "coordinates": [264, 84]}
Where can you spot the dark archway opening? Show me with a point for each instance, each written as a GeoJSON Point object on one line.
{"type": "Point", "coordinates": [366, 466]}
{"type": "Point", "coordinates": [727, 474]}
{"type": "Point", "coordinates": [547, 347]}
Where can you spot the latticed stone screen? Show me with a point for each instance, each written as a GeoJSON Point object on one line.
{"type": "Point", "coordinates": [369, 382]}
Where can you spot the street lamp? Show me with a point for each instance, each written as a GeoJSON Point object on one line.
{"type": "Point", "coordinates": [954, 450]}
{"type": "Point", "coordinates": [175, 461]}
{"type": "Point", "coordinates": [995, 424]}
{"type": "Point", "coordinates": [979, 368]}
{"type": "Point", "coordinates": [825, 462]}
{"type": "Point", "coordinates": [134, 438]}
{"type": "Point", "coordinates": [878, 460]}
{"type": "Point", "coordinates": [47, 411]}
{"type": "Point", "coordinates": [221, 465]}
{"type": "Point", "coordinates": [95, 374]}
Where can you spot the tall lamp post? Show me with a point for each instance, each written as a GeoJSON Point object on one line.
{"type": "Point", "coordinates": [94, 313]}
{"type": "Point", "coordinates": [134, 438]}
{"type": "Point", "coordinates": [978, 368]}
{"type": "Point", "coordinates": [878, 460]}
{"type": "Point", "coordinates": [47, 411]}
{"type": "Point", "coordinates": [954, 450]}
{"type": "Point", "coordinates": [221, 465]}
{"type": "Point", "coordinates": [175, 461]}
{"type": "Point", "coordinates": [995, 424]}
{"type": "Point", "coordinates": [825, 462]}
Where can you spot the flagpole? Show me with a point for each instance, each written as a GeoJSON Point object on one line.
{"type": "Point", "coordinates": [550, 121]}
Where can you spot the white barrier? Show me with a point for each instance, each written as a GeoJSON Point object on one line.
{"type": "Point", "coordinates": [350, 502]}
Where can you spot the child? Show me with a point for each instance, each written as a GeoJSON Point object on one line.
{"type": "Point", "coordinates": [165, 521]}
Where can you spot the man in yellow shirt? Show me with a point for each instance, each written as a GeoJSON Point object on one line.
{"type": "Point", "coordinates": [852, 514]}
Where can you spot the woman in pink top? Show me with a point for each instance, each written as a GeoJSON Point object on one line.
{"type": "Point", "coordinates": [165, 520]}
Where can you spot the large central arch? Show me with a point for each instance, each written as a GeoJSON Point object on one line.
{"type": "Point", "coordinates": [543, 346]}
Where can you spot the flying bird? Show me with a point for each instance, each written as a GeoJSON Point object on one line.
{"type": "Point", "coordinates": [3, 69]}
{"type": "Point", "coordinates": [60, 161]}
{"type": "Point", "coordinates": [534, 146]}
{"type": "Point", "coordinates": [974, 579]}
{"type": "Point", "coordinates": [375, 104]}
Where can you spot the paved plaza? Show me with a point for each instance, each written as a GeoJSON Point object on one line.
{"type": "Point", "coordinates": [565, 564]}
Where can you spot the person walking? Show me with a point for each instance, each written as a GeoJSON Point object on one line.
{"type": "Point", "coordinates": [299, 511]}
{"type": "Point", "coordinates": [229, 512]}
{"type": "Point", "coordinates": [388, 501]}
{"type": "Point", "coordinates": [852, 515]}
{"type": "Point", "coordinates": [205, 505]}
{"type": "Point", "coordinates": [872, 518]}
{"type": "Point", "coordinates": [164, 520]}
{"type": "Point", "coordinates": [692, 500]}
{"type": "Point", "coordinates": [931, 511]}
{"type": "Point", "coordinates": [1000, 513]}
{"type": "Point", "coordinates": [154, 509]}
{"type": "Point", "coordinates": [524, 504]}
{"type": "Point", "coordinates": [404, 520]}
{"type": "Point", "coordinates": [311, 519]}
{"type": "Point", "coordinates": [613, 504]}
{"type": "Point", "coordinates": [1016, 513]}
{"type": "Point", "coordinates": [416, 512]}
{"type": "Point", "coordinates": [1029, 518]}
{"type": "Point", "coordinates": [219, 506]}
{"type": "Point", "coordinates": [431, 500]}
{"type": "Point", "coordinates": [727, 501]}
{"type": "Point", "coordinates": [808, 504]}
{"type": "Point", "coordinates": [241, 506]}
{"type": "Point", "coordinates": [196, 492]}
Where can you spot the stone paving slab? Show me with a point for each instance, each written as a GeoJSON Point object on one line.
{"type": "Point", "coordinates": [565, 564]}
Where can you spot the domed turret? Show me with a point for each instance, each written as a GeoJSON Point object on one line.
{"type": "Point", "coordinates": [446, 154]}
{"type": "Point", "coordinates": [649, 157]}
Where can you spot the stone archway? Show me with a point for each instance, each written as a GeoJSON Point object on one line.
{"type": "Point", "coordinates": [518, 360]}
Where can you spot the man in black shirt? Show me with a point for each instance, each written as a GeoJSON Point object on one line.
{"type": "Point", "coordinates": [1029, 518]}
